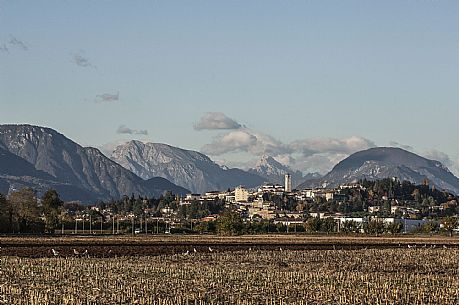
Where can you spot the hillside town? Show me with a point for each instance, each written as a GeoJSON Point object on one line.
{"type": "Point", "coordinates": [372, 207]}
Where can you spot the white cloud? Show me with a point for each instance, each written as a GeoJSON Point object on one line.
{"type": "Point", "coordinates": [216, 120]}
{"type": "Point", "coordinates": [245, 140]}
{"type": "Point", "coordinates": [405, 147]}
{"type": "Point", "coordinates": [306, 155]}
{"type": "Point", "coordinates": [123, 129]}
{"type": "Point", "coordinates": [234, 141]}
{"type": "Point", "coordinates": [107, 97]}
{"type": "Point", "coordinates": [339, 146]}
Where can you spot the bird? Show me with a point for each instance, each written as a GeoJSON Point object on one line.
{"type": "Point", "coordinates": [280, 249]}
{"type": "Point", "coordinates": [194, 250]}
{"type": "Point", "coordinates": [76, 252]}
{"type": "Point", "coordinates": [409, 246]}
{"type": "Point", "coordinates": [55, 253]}
{"type": "Point", "coordinates": [211, 250]}
{"type": "Point", "coordinates": [187, 252]}
{"type": "Point", "coordinates": [85, 253]}
{"type": "Point", "coordinates": [250, 249]}
{"type": "Point", "coordinates": [445, 247]}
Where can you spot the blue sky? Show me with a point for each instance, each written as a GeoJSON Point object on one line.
{"type": "Point", "coordinates": [307, 81]}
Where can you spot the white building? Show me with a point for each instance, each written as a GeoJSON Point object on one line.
{"type": "Point", "coordinates": [241, 194]}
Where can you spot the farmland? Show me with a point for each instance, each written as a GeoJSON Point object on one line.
{"type": "Point", "coordinates": [233, 270]}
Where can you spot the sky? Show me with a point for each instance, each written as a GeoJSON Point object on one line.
{"type": "Point", "coordinates": [307, 82]}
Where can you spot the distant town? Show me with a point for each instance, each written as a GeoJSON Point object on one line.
{"type": "Point", "coordinates": [387, 206]}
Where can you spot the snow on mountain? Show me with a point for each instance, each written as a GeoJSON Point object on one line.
{"type": "Point", "coordinates": [190, 169]}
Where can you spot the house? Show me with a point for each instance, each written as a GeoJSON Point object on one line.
{"type": "Point", "coordinates": [374, 209]}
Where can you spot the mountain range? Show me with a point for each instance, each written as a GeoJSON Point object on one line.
{"type": "Point", "coordinates": [386, 162]}
{"type": "Point", "coordinates": [273, 171]}
{"type": "Point", "coordinates": [190, 169]}
{"type": "Point", "coordinates": [42, 158]}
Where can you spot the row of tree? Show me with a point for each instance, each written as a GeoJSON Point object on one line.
{"type": "Point", "coordinates": [23, 212]}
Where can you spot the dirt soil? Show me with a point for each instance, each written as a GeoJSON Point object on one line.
{"type": "Point", "coordinates": [112, 246]}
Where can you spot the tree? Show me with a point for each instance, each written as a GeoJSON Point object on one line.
{"type": "Point", "coordinates": [313, 224]}
{"type": "Point", "coordinates": [394, 227]}
{"type": "Point", "coordinates": [52, 206]}
{"type": "Point", "coordinates": [327, 225]}
{"type": "Point", "coordinates": [375, 226]}
{"type": "Point", "coordinates": [230, 223]}
{"type": "Point", "coordinates": [25, 211]}
{"type": "Point", "coordinates": [350, 226]}
{"type": "Point", "coordinates": [449, 224]}
{"type": "Point", "coordinates": [4, 215]}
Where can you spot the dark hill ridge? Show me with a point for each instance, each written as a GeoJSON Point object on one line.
{"type": "Point", "coordinates": [386, 162]}
{"type": "Point", "coordinates": [58, 160]}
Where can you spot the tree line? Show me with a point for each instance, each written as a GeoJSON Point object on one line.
{"type": "Point", "coordinates": [23, 212]}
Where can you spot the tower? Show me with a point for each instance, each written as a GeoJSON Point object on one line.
{"type": "Point", "coordinates": [288, 183]}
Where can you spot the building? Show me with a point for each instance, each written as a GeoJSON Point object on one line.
{"type": "Point", "coordinates": [241, 194]}
{"type": "Point", "coordinates": [288, 183]}
{"type": "Point", "coordinates": [374, 209]}
{"type": "Point", "coordinates": [193, 197]}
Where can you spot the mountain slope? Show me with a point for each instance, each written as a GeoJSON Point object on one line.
{"type": "Point", "coordinates": [273, 171]}
{"type": "Point", "coordinates": [67, 163]}
{"type": "Point", "coordinates": [387, 162]}
{"type": "Point", "coordinates": [190, 169]}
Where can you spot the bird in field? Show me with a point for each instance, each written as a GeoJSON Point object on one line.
{"type": "Point", "coordinates": [445, 247]}
{"type": "Point", "coordinates": [187, 252]}
{"type": "Point", "coordinates": [76, 252]}
{"type": "Point", "coordinates": [55, 253]}
{"type": "Point", "coordinates": [194, 250]}
{"type": "Point", "coordinates": [211, 250]}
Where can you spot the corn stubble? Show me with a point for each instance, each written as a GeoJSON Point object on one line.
{"type": "Point", "coordinates": [384, 276]}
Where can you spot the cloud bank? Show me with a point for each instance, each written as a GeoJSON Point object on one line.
{"type": "Point", "coordinates": [123, 129]}
{"type": "Point", "coordinates": [215, 121]}
{"type": "Point", "coordinates": [306, 155]}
